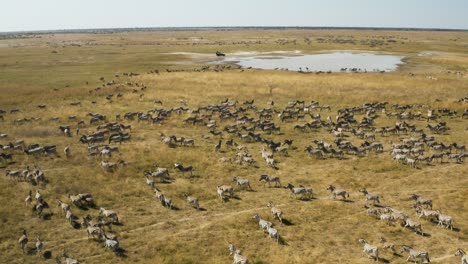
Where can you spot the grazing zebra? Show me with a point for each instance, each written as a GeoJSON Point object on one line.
{"type": "Point", "coordinates": [111, 243]}
{"type": "Point", "coordinates": [109, 213]}
{"type": "Point", "coordinates": [273, 233]}
{"type": "Point", "coordinates": [222, 189]}
{"type": "Point", "coordinates": [94, 231]}
{"type": "Point", "coordinates": [299, 190]}
{"type": "Point", "coordinates": [371, 251]}
{"type": "Point", "coordinates": [275, 212]}
{"type": "Point", "coordinates": [239, 259]}
{"type": "Point", "coordinates": [444, 220]}
{"type": "Point", "coordinates": [23, 240]}
{"type": "Point", "coordinates": [411, 162]}
{"type": "Point", "coordinates": [70, 216]}
{"type": "Point", "coordinates": [109, 166]}
{"type": "Point", "coordinates": [242, 183]}
{"type": "Point", "coordinates": [69, 260]}
{"type": "Point", "coordinates": [39, 245]}
{"type": "Point", "coordinates": [184, 169]}
{"type": "Point", "coordinates": [161, 173]}
{"type": "Point", "coordinates": [28, 199]}
{"type": "Point", "coordinates": [264, 224]}
{"type": "Point", "coordinates": [415, 254]}
{"type": "Point", "coordinates": [462, 254]}
{"type": "Point", "coordinates": [38, 196]}
{"type": "Point", "coordinates": [429, 214]}
{"type": "Point", "coordinates": [370, 196]}
{"type": "Point", "coordinates": [337, 192]}
{"type": "Point", "coordinates": [65, 207]}
{"type": "Point", "coordinates": [387, 217]}
{"type": "Point", "coordinates": [387, 245]}
{"type": "Point", "coordinates": [192, 201]}
{"type": "Point", "coordinates": [166, 201]}
{"type": "Point", "coordinates": [269, 179]}
{"type": "Point", "coordinates": [416, 226]}
{"type": "Point", "coordinates": [421, 201]}
{"type": "Point", "coordinates": [149, 181]}
{"type": "Point", "coordinates": [461, 148]}
{"type": "Point", "coordinates": [67, 152]}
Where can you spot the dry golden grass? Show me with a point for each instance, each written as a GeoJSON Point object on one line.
{"type": "Point", "coordinates": [321, 230]}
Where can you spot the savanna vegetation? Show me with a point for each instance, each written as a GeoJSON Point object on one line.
{"type": "Point", "coordinates": [56, 70]}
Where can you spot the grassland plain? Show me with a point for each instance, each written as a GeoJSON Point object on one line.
{"type": "Point", "coordinates": [53, 70]}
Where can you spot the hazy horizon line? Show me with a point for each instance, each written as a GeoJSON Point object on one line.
{"type": "Point", "coordinates": [190, 28]}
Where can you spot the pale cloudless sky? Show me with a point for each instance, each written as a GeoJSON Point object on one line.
{"type": "Point", "coordinates": [23, 15]}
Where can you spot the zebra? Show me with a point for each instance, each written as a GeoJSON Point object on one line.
{"type": "Point", "coordinates": [242, 183]}
{"type": "Point", "coordinates": [429, 214]}
{"type": "Point", "coordinates": [67, 152]}
{"type": "Point", "coordinates": [23, 240]}
{"type": "Point", "coordinates": [39, 245]}
{"type": "Point", "coordinates": [461, 148]}
{"type": "Point", "coordinates": [416, 226]}
{"type": "Point", "coordinates": [108, 166]}
{"type": "Point", "coordinates": [161, 173]}
{"type": "Point", "coordinates": [166, 201]}
{"type": "Point", "coordinates": [109, 213]}
{"type": "Point", "coordinates": [275, 212]}
{"type": "Point", "coordinates": [184, 169]}
{"type": "Point", "coordinates": [94, 231]}
{"type": "Point", "coordinates": [370, 196]}
{"type": "Point", "coordinates": [28, 199]}
{"type": "Point", "coordinates": [462, 254]}
{"type": "Point", "coordinates": [239, 259]}
{"type": "Point", "coordinates": [192, 200]}
{"type": "Point", "coordinates": [111, 243]}
{"type": "Point", "coordinates": [38, 196]}
{"type": "Point", "coordinates": [337, 192]}
{"type": "Point", "coordinates": [371, 251]}
{"type": "Point", "coordinates": [444, 220]}
{"type": "Point", "coordinates": [269, 180]}
{"type": "Point", "coordinates": [273, 233]}
{"type": "Point", "coordinates": [69, 260]}
{"type": "Point", "coordinates": [414, 254]}
{"type": "Point", "coordinates": [387, 245]}
{"type": "Point", "coordinates": [264, 224]}
{"type": "Point", "coordinates": [299, 190]}
{"type": "Point", "coordinates": [222, 189]}
{"type": "Point", "coordinates": [65, 207]}
{"type": "Point", "coordinates": [421, 201]}
{"type": "Point", "coordinates": [149, 181]}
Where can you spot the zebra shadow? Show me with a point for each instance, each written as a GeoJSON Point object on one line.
{"type": "Point", "coordinates": [33, 251]}
{"type": "Point", "coordinates": [425, 235]}
{"type": "Point", "coordinates": [121, 252]}
{"type": "Point", "coordinates": [383, 260]}
{"type": "Point", "coordinates": [75, 224]}
{"type": "Point", "coordinates": [307, 199]}
{"type": "Point", "coordinates": [287, 222]}
{"type": "Point", "coordinates": [175, 208]}
{"type": "Point", "coordinates": [46, 216]}
{"type": "Point", "coordinates": [282, 242]}
{"type": "Point", "coordinates": [235, 197]}
{"type": "Point", "coordinates": [82, 207]}
{"type": "Point", "coordinates": [202, 209]}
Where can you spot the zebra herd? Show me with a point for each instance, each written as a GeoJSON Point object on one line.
{"type": "Point", "coordinates": [250, 124]}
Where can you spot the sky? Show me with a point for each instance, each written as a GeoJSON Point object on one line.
{"type": "Point", "coordinates": [27, 15]}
